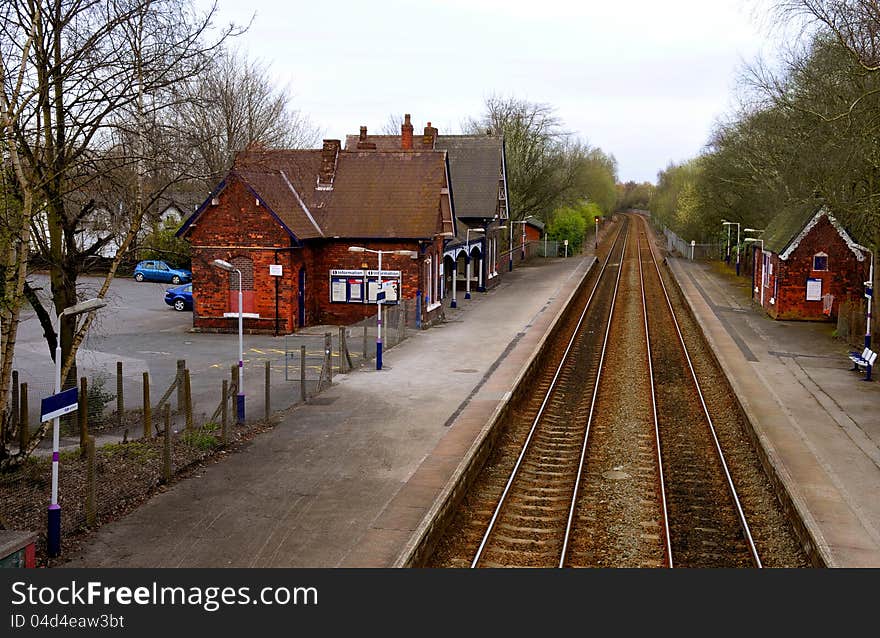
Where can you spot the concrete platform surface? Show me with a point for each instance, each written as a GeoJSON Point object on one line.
{"type": "Point", "coordinates": [325, 487]}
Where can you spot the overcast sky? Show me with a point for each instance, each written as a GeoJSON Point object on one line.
{"type": "Point", "coordinates": [641, 79]}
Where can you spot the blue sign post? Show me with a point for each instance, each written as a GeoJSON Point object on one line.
{"type": "Point", "coordinates": [54, 407]}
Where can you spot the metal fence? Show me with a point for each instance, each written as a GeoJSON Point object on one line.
{"type": "Point", "coordinates": [115, 453]}
{"type": "Point", "coordinates": [692, 250]}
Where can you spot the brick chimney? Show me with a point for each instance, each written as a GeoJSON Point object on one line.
{"type": "Point", "coordinates": [429, 137]}
{"type": "Point", "coordinates": [406, 134]}
{"type": "Point", "coordinates": [329, 154]}
{"type": "Point", "coordinates": [362, 140]}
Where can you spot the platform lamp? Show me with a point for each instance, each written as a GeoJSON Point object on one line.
{"type": "Point", "coordinates": [380, 293]}
{"type": "Point", "coordinates": [467, 293]}
{"type": "Point", "coordinates": [869, 295]}
{"type": "Point", "coordinates": [225, 265]}
{"type": "Point", "coordinates": [729, 224]}
{"type": "Point", "coordinates": [53, 536]}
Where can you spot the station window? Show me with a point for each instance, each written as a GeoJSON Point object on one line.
{"type": "Point", "coordinates": [820, 261]}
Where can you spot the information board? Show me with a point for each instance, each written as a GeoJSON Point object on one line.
{"type": "Point", "coordinates": [362, 286]}
{"type": "Point", "coordinates": [814, 290]}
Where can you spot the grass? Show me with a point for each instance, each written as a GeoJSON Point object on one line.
{"type": "Point", "coordinates": [200, 440]}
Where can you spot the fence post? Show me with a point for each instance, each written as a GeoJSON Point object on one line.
{"type": "Point", "coordinates": [148, 410]}
{"type": "Point", "coordinates": [328, 356]}
{"type": "Point", "coordinates": [120, 401]}
{"type": "Point", "coordinates": [341, 350]}
{"type": "Point", "coordinates": [24, 430]}
{"type": "Point", "coordinates": [234, 370]}
{"type": "Point", "coordinates": [401, 322]}
{"type": "Point", "coordinates": [13, 418]}
{"type": "Point", "coordinates": [83, 414]}
{"type": "Point", "coordinates": [224, 419]}
{"type": "Point", "coordinates": [365, 342]}
{"type": "Point", "coordinates": [268, 385]}
{"type": "Point", "coordinates": [188, 406]}
{"type": "Point", "coordinates": [344, 348]}
{"type": "Point", "coordinates": [91, 479]}
{"type": "Point", "coordinates": [302, 373]}
{"type": "Point", "coordinates": [181, 396]}
{"type": "Point", "coordinates": [166, 452]}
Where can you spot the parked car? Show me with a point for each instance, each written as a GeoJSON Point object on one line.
{"type": "Point", "coordinates": [157, 270]}
{"type": "Point", "coordinates": [180, 297]}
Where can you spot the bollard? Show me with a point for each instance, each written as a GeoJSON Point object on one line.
{"type": "Point", "coordinates": [268, 385]}
{"type": "Point", "coordinates": [302, 373]}
{"type": "Point", "coordinates": [83, 414]}
{"type": "Point", "coordinates": [148, 409]}
{"type": "Point", "coordinates": [166, 452]}
{"type": "Point", "coordinates": [91, 506]}
{"type": "Point", "coordinates": [224, 418]}
{"type": "Point", "coordinates": [24, 429]}
{"type": "Point", "coordinates": [187, 399]}
{"type": "Point", "coordinates": [120, 402]}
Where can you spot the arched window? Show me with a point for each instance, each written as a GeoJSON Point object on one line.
{"type": "Point", "coordinates": [246, 266]}
{"type": "Point", "coordinates": [820, 261]}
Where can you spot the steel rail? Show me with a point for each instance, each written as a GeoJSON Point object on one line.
{"type": "Point", "coordinates": [577, 480]}
{"type": "Point", "coordinates": [559, 369]}
{"type": "Point", "coordinates": [742, 518]}
{"type": "Point", "coordinates": [661, 477]}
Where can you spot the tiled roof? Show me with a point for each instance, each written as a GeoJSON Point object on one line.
{"type": "Point", "coordinates": [374, 194]}
{"type": "Point", "coordinates": [787, 229]}
{"type": "Point", "coordinates": [475, 165]}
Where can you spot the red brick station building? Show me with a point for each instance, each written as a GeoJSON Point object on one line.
{"type": "Point", "coordinates": [286, 220]}
{"type": "Point", "coordinates": [806, 264]}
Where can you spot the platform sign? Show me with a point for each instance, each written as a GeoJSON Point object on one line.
{"type": "Point", "coordinates": [276, 270]}
{"type": "Point", "coordinates": [59, 404]}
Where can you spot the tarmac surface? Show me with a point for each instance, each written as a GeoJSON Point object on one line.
{"type": "Point", "coordinates": [347, 479]}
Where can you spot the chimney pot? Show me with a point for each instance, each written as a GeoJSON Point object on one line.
{"type": "Point", "coordinates": [406, 133]}
{"type": "Point", "coordinates": [363, 133]}
{"type": "Point", "coordinates": [329, 152]}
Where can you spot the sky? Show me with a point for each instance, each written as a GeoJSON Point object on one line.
{"type": "Point", "coordinates": [644, 81]}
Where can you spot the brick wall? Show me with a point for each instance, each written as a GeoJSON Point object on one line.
{"type": "Point", "coordinates": [235, 230]}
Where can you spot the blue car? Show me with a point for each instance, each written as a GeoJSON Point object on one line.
{"type": "Point", "coordinates": [157, 270]}
{"type": "Point", "coordinates": [180, 297]}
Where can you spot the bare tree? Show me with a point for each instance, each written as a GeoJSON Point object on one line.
{"type": "Point", "coordinates": [392, 125]}
{"type": "Point", "coordinates": [233, 104]}
{"type": "Point", "coordinates": [74, 71]}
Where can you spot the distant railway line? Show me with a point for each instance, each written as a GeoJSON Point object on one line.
{"type": "Point", "coordinates": [612, 459]}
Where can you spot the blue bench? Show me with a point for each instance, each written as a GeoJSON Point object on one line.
{"type": "Point", "coordinates": [865, 360]}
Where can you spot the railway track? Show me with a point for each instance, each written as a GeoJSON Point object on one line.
{"type": "Point", "coordinates": [613, 459]}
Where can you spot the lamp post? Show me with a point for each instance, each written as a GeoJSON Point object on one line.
{"type": "Point", "coordinates": [869, 295]}
{"type": "Point", "coordinates": [53, 536]}
{"type": "Point", "coordinates": [729, 224]}
{"type": "Point", "coordinates": [761, 241]}
{"type": "Point", "coordinates": [467, 294]}
{"type": "Point", "coordinates": [597, 232]}
{"type": "Point", "coordinates": [360, 249]}
{"type": "Point", "coordinates": [512, 224]}
{"type": "Point", "coordinates": [225, 265]}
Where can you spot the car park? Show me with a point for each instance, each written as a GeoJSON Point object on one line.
{"type": "Point", "coordinates": [158, 270]}
{"type": "Point", "coordinates": [180, 297]}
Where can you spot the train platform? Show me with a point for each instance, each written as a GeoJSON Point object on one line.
{"type": "Point", "coordinates": [817, 420]}
{"type": "Point", "coordinates": [346, 479]}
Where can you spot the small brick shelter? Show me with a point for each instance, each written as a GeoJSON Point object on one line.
{"type": "Point", "coordinates": [806, 264]}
